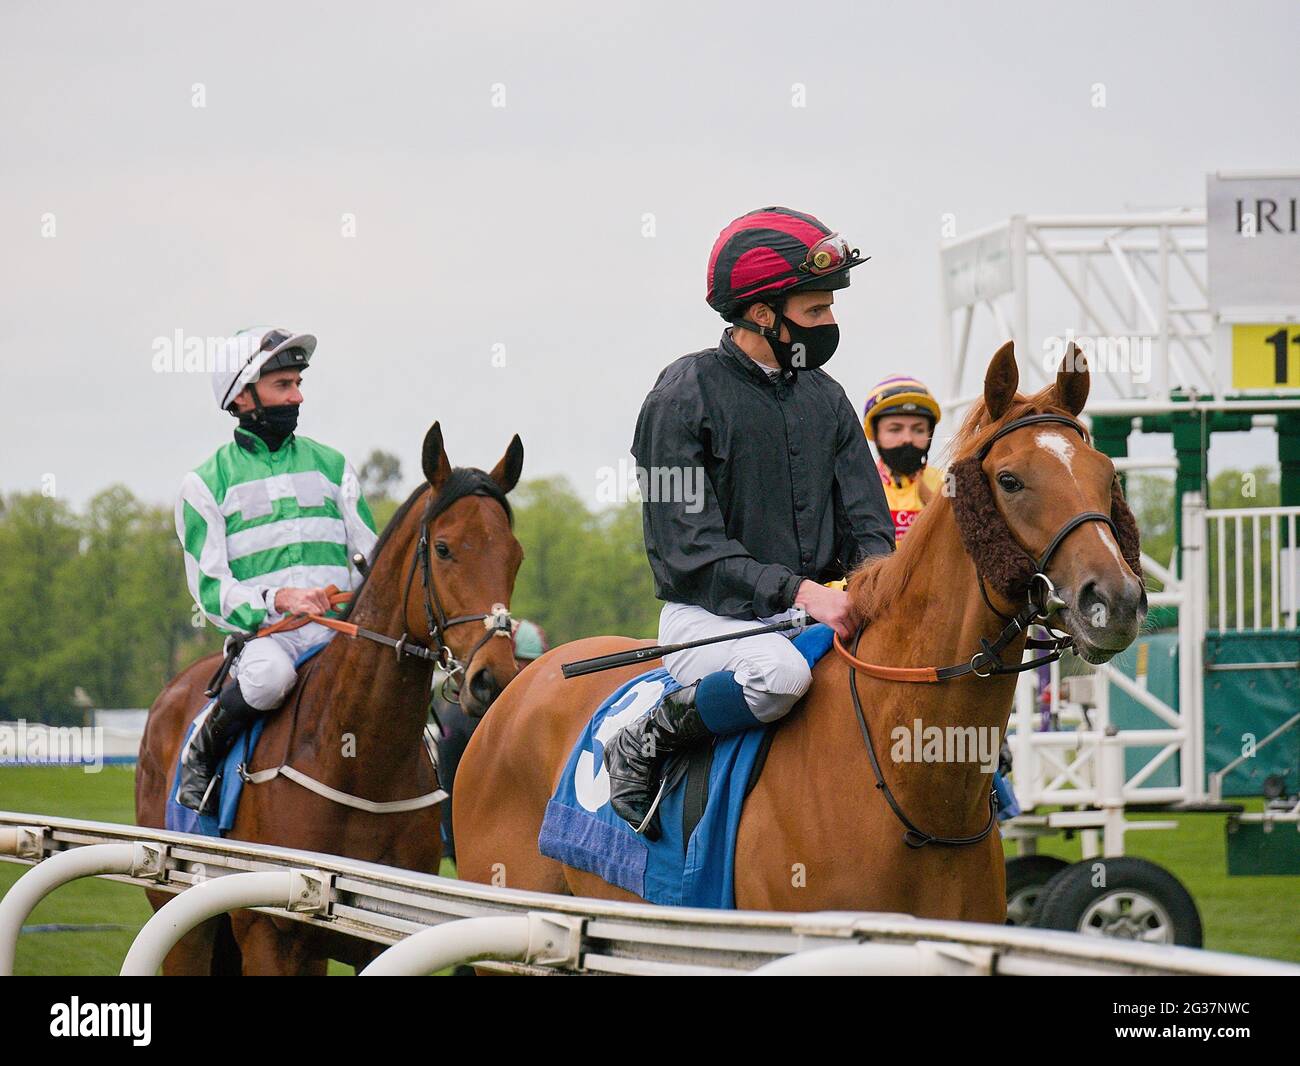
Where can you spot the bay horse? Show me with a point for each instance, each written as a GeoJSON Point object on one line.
{"type": "Point", "coordinates": [355, 720]}
{"type": "Point", "coordinates": [816, 833]}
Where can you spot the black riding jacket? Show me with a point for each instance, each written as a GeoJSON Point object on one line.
{"type": "Point", "coordinates": [752, 485]}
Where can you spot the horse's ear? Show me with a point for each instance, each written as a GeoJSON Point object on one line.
{"type": "Point", "coordinates": [1073, 380]}
{"type": "Point", "coordinates": [1001, 381]}
{"type": "Point", "coordinates": [506, 473]}
{"type": "Point", "coordinates": [433, 458]}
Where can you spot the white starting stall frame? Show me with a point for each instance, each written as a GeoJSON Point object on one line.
{"type": "Point", "coordinates": [1181, 312]}
{"type": "Point", "coordinates": [434, 922]}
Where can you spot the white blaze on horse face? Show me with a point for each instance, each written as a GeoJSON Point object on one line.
{"type": "Point", "coordinates": [1062, 447]}
{"type": "Point", "coordinates": [591, 779]}
{"type": "Point", "coordinates": [1108, 539]}
{"type": "Point", "coordinates": [1056, 443]}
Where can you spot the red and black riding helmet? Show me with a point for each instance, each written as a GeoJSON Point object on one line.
{"type": "Point", "coordinates": [771, 252]}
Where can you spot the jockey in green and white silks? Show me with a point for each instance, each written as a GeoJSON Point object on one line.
{"type": "Point", "coordinates": [267, 523]}
{"type": "Point", "coordinates": [254, 521]}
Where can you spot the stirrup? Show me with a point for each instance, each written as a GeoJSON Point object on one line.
{"type": "Point", "coordinates": [203, 800]}
{"type": "Point", "coordinates": [654, 806]}
{"type": "Point", "coordinates": [207, 794]}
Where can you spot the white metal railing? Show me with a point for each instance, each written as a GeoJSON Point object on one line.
{"type": "Point", "coordinates": [1240, 572]}
{"type": "Point", "coordinates": [1254, 568]}
{"type": "Point", "coordinates": [1123, 279]}
{"type": "Point", "coordinates": [1087, 765]}
{"type": "Point", "coordinates": [436, 921]}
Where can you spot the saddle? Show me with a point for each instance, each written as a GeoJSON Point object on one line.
{"type": "Point", "coordinates": [231, 776]}
{"type": "Point", "coordinates": [692, 863]}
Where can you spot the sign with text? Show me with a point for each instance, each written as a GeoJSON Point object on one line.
{"type": "Point", "coordinates": [1253, 248]}
{"type": "Point", "coordinates": [1266, 357]}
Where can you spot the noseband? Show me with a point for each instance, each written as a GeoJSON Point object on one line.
{"type": "Point", "coordinates": [1041, 603]}
{"type": "Point", "coordinates": [497, 622]}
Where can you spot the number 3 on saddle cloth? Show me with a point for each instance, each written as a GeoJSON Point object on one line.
{"type": "Point", "coordinates": [693, 863]}
{"type": "Point", "coordinates": [231, 785]}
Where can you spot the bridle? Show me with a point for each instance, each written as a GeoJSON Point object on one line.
{"type": "Point", "coordinates": [1041, 603]}
{"type": "Point", "coordinates": [464, 481]}
{"type": "Point", "coordinates": [497, 622]}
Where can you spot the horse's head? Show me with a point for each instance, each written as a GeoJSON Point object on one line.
{"type": "Point", "coordinates": [1033, 497]}
{"type": "Point", "coordinates": [463, 570]}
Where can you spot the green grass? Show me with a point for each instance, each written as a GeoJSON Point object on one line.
{"type": "Point", "coordinates": [1247, 915]}
{"type": "Point", "coordinates": [107, 796]}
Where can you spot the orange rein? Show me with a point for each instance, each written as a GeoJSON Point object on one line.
{"type": "Point", "coordinates": [296, 621]}
{"type": "Point", "coordinates": [887, 673]}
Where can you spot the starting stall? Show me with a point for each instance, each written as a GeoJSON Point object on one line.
{"type": "Point", "coordinates": [1190, 319]}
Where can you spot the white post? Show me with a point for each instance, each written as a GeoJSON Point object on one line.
{"type": "Point", "coordinates": [1024, 757]}
{"type": "Point", "coordinates": [1088, 845]}
{"type": "Point", "coordinates": [1020, 286]}
{"type": "Point", "coordinates": [946, 357]}
{"type": "Point", "coordinates": [1191, 646]}
{"type": "Point", "coordinates": [289, 889]}
{"type": "Point", "coordinates": [1161, 377]}
{"type": "Point", "coordinates": [1110, 790]}
{"type": "Point", "coordinates": [465, 940]}
{"type": "Point", "coordinates": [536, 937]}
{"type": "Point", "coordinates": [43, 878]}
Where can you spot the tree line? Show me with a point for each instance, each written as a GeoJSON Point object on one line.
{"type": "Point", "coordinates": [95, 612]}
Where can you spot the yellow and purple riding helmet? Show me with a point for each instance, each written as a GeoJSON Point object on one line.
{"type": "Point", "coordinates": [899, 395]}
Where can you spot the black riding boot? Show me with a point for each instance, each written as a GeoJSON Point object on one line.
{"type": "Point", "coordinates": [210, 745]}
{"type": "Point", "coordinates": [636, 756]}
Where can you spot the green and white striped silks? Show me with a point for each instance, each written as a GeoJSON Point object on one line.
{"type": "Point", "coordinates": [253, 521]}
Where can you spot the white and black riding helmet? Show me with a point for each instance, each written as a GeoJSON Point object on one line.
{"type": "Point", "coordinates": [250, 353]}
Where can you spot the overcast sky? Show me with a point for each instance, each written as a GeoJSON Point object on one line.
{"type": "Point", "coordinates": [501, 278]}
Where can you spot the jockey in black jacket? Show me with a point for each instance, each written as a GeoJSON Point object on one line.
{"type": "Point", "coordinates": [758, 487]}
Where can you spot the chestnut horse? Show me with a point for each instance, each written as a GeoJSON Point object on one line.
{"type": "Point", "coordinates": [816, 833]}
{"type": "Point", "coordinates": [355, 720]}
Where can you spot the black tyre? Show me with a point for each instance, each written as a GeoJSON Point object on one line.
{"type": "Point", "coordinates": [1027, 876]}
{"type": "Point", "coordinates": [1123, 898]}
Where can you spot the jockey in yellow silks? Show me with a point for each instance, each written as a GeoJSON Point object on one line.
{"type": "Point", "coordinates": [899, 419]}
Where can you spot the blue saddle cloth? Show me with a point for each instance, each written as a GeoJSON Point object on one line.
{"type": "Point", "coordinates": [231, 785]}
{"type": "Point", "coordinates": [581, 830]}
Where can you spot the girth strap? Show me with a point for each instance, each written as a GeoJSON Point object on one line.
{"type": "Point", "coordinates": [257, 777]}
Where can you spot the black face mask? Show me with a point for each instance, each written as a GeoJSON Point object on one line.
{"type": "Point", "coordinates": [808, 348]}
{"type": "Point", "coordinates": [274, 425]}
{"type": "Point", "coordinates": [906, 459]}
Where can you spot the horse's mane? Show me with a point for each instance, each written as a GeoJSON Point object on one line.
{"type": "Point", "coordinates": [878, 583]}
{"type": "Point", "coordinates": [385, 535]}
